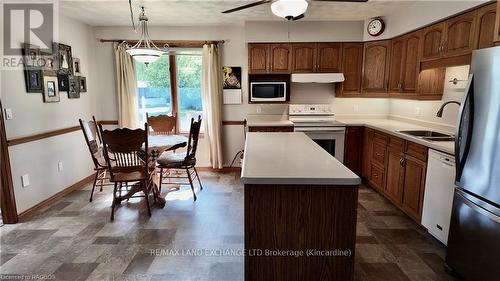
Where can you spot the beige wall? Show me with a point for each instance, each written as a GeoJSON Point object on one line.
{"type": "Point", "coordinates": [40, 158]}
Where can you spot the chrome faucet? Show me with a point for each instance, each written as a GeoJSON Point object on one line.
{"type": "Point", "coordinates": [440, 111]}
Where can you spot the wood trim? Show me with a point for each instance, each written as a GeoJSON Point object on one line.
{"type": "Point", "coordinates": [171, 43]}
{"type": "Point", "coordinates": [23, 216]}
{"type": "Point", "coordinates": [446, 62]}
{"type": "Point", "coordinates": [237, 123]}
{"type": "Point", "coordinates": [108, 122]}
{"type": "Point", "coordinates": [8, 200]}
{"type": "Point", "coordinates": [172, 61]}
{"type": "Point", "coordinates": [44, 135]}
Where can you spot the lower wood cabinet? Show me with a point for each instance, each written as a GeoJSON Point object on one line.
{"type": "Point", "coordinates": [353, 149]}
{"type": "Point", "coordinates": [395, 175]}
{"type": "Point", "coordinates": [270, 128]}
{"type": "Point", "coordinates": [414, 185]}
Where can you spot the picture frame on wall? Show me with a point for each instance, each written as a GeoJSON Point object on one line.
{"type": "Point", "coordinates": [74, 87]}
{"type": "Point", "coordinates": [48, 64]}
{"type": "Point", "coordinates": [232, 77]}
{"type": "Point", "coordinates": [50, 91]}
{"type": "Point", "coordinates": [64, 58]}
{"type": "Point", "coordinates": [77, 67]}
{"type": "Point", "coordinates": [63, 82]}
{"type": "Point", "coordinates": [31, 55]}
{"type": "Point", "coordinates": [82, 84]}
{"type": "Point", "coordinates": [34, 80]}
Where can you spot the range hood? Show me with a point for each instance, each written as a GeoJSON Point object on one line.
{"type": "Point", "coordinates": [317, 77]}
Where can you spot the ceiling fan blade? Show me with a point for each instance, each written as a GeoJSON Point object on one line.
{"type": "Point", "coordinates": [301, 16]}
{"type": "Point", "coordinates": [246, 6]}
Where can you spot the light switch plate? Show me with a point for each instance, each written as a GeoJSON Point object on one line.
{"type": "Point", "coordinates": [60, 166]}
{"type": "Point", "coordinates": [25, 180]}
{"type": "Point", "coordinates": [8, 114]}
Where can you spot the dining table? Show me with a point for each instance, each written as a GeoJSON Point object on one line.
{"type": "Point", "coordinates": [157, 144]}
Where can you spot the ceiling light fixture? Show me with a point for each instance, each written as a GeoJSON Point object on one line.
{"type": "Point", "coordinates": [289, 9]}
{"type": "Point", "coordinates": [145, 49]}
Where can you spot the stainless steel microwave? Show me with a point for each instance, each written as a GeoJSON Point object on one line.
{"type": "Point", "coordinates": [268, 91]}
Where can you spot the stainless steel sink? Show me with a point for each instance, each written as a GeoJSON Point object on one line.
{"type": "Point", "coordinates": [429, 135]}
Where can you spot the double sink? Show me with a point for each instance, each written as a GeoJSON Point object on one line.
{"type": "Point", "coordinates": [429, 135]}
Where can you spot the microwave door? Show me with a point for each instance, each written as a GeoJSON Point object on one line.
{"type": "Point", "coordinates": [268, 91]}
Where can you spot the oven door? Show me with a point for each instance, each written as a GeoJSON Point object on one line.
{"type": "Point", "coordinates": [330, 139]}
{"type": "Point", "coordinates": [267, 91]}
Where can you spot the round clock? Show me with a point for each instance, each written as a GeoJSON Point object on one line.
{"type": "Point", "coordinates": [376, 27]}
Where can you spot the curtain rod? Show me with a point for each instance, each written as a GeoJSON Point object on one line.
{"type": "Point", "coordinates": [171, 43]}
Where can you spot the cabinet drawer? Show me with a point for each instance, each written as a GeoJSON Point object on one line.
{"type": "Point", "coordinates": [397, 143]}
{"type": "Point", "coordinates": [378, 153]}
{"type": "Point", "coordinates": [377, 177]}
{"type": "Point", "coordinates": [416, 150]}
{"type": "Point", "coordinates": [380, 137]}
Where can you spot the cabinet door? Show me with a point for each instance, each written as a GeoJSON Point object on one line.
{"type": "Point", "coordinates": [280, 58]}
{"type": "Point", "coordinates": [431, 84]}
{"type": "Point", "coordinates": [329, 57]}
{"type": "Point", "coordinates": [258, 58]}
{"type": "Point", "coordinates": [432, 46]}
{"type": "Point", "coordinates": [367, 152]}
{"type": "Point", "coordinates": [485, 26]}
{"type": "Point", "coordinates": [304, 58]}
{"type": "Point", "coordinates": [411, 62]}
{"type": "Point", "coordinates": [460, 35]}
{"type": "Point", "coordinates": [353, 149]}
{"type": "Point", "coordinates": [352, 67]}
{"type": "Point", "coordinates": [497, 25]}
{"type": "Point", "coordinates": [414, 185]}
{"type": "Point", "coordinates": [376, 67]}
{"type": "Point", "coordinates": [394, 177]}
{"type": "Point", "coordinates": [397, 65]}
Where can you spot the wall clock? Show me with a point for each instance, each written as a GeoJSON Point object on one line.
{"type": "Point", "coordinates": [376, 27]}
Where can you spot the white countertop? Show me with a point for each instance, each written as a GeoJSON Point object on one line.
{"type": "Point", "coordinates": [391, 127]}
{"type": "Point", "coordinates": [291, 158]}
{"type": "Point", "coordinates": [268, 120]}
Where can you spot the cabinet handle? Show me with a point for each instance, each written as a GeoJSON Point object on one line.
{"type": "Point", "coordinates": [401, 162]}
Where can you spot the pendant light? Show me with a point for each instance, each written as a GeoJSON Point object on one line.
{"type": "Point", "coordinates": [145, 50]}
{"type": "Point", "coordinates": [289, 9]}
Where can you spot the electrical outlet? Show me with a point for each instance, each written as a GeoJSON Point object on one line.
{"type": "Point", "coordinates": [25, 180]}
{"type": "Point", "coordinates": [8, 114]}
{"type": "Point", "coordinates": [259, 109]}
{"type": "Point", "coordinates": [60, 167]}
{"type": "Point", "coordinates": [355, 108]}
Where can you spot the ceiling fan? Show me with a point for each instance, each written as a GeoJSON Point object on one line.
{"type": "Point", "coordinates": [288, 9]}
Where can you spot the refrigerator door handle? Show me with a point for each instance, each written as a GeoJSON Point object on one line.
{"type": "Point", "coordinates": [459, 142]}
{"type": "Point", "coordinates": [478, 208]}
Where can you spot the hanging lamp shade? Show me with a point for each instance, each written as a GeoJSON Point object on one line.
{"type": "Point", "coordinates": [145, 50]}
{"type": "Point", "coordinates": [289, 8]}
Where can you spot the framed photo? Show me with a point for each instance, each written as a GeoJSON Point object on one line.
{"type": "Point", "coordinates": [74, 87]}
{"type": "Point", "coordinates": [34, 81]}
{"type": "Point", "coordinates": [31, 55]}
{"type": "Point", "coordinates": [48, 64]}
{"type": "Point", "coordinates": [63, 82]}
{"type": "Point", "coordinates": [232, 77]}
{"type": "Point", "coordinates": [76, 67]}
{"type": "Point", "coordinates": [50, 91]}
{"type": "Point", "coordinates": [64, 58]}
{"type": "Point", "coordinates": [83, 84]}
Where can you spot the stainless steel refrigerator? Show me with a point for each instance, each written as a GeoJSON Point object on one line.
{"type": "Point", "coordinates": [474, 237]}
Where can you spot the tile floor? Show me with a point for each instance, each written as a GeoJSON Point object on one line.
{"type": "Point", "coordinates": [75, 240]}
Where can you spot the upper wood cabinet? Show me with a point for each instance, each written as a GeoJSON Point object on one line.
{"type": "Point", "coordinates": [352, 67]}
{"type": "Point", "coordinates": [316, 57]}
{"type": "Point", "coordinates": [485, 26]}
{"type": "Point", "coordinates": [432, 37]}
{"type": "Point", "coordinates": [497, 25]}
{"type": "Point", "coordinates": [376, 67]}
{"type": "Point", "coordinates": [269, 58]}
{"type": "Point", "coordinates": [404, 67]}
{"type": "Point", "coordinates": [459, 38]}
{"type": "Point", "coordinates": [397, 67]}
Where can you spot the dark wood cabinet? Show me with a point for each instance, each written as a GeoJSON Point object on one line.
{"type": "Point", "coordinates": [304, 57]}
{"type": "Point", "coordinates": [485, 26]}
{"type": "Point", "coordinates": [414, 184]}
{"type": "Point", "coordinates": [280, 60]}
{"type": "Point", "coordinates": [367, 148]}
{"type": "Point", "coordinates": [352, 67]}
{"type": "Point", "coordinates": [497, 25]}
{"type": "Point", "coordinates": [395, 175]}
{"type": "Point", "coordinates": [411, 62]}
{"type": "Point", "coordinates": [459, 36]}
{"type": "Point", "coordinates": [329, 57]}
{"type": "Point", "coordinates": [397, 67]}
{"type": "Point", "coordinates": [432, 41]}
{"type": "Point", "coordinates": [431, 84]}
{"type": "Point", "coordinates": [376, 67]}
{"type": "Point", "coordinates": [353, 149]}
{"type": "Point", "coordinates": [258, 58]}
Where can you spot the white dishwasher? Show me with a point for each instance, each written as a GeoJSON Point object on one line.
{"type": "Point", "coordinates": [438, 197]}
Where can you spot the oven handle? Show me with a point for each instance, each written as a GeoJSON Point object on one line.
{"type": "Point", "coordinates": [320, 129]}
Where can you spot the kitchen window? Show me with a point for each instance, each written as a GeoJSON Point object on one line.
{"type": "Point", "coordinates": [158, 95]}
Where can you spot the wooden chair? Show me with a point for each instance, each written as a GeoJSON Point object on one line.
{"type": "Point", "coordinates": [130, 163]}
{"type": "Point", "coordinates": [93, 140]}
{"type": "Point", "coordinates": [162, 124]}
{"type": "Point", "coordinates": [183, 161]}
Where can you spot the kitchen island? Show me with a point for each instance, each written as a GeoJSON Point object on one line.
{"type": "Point", "coordinates": [300, 210]}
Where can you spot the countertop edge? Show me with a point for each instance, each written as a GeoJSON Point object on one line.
{"type": "Point", "coordinates": [302, 181]}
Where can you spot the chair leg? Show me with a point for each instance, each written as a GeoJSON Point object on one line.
{"type": "Point", "coordinates": [191, 183]}
{"type": "Point", "coordinates": [114, 202]}
{"type": "Point", "coordinates": [161, 179]}
{"type": "Point", "coordinates": [145, 190]}
{"type": "Point", "coordinates": [103, 178]}
{"type": "Point", "coordinates": [198, 177]}
{"type": "Point", "coordinates": [93, 186]}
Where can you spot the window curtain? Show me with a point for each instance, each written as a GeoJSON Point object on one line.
{"type": "Point", "coordinates": [126, 88]}
{"type": "Point", "coordinates": [211, 84]}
